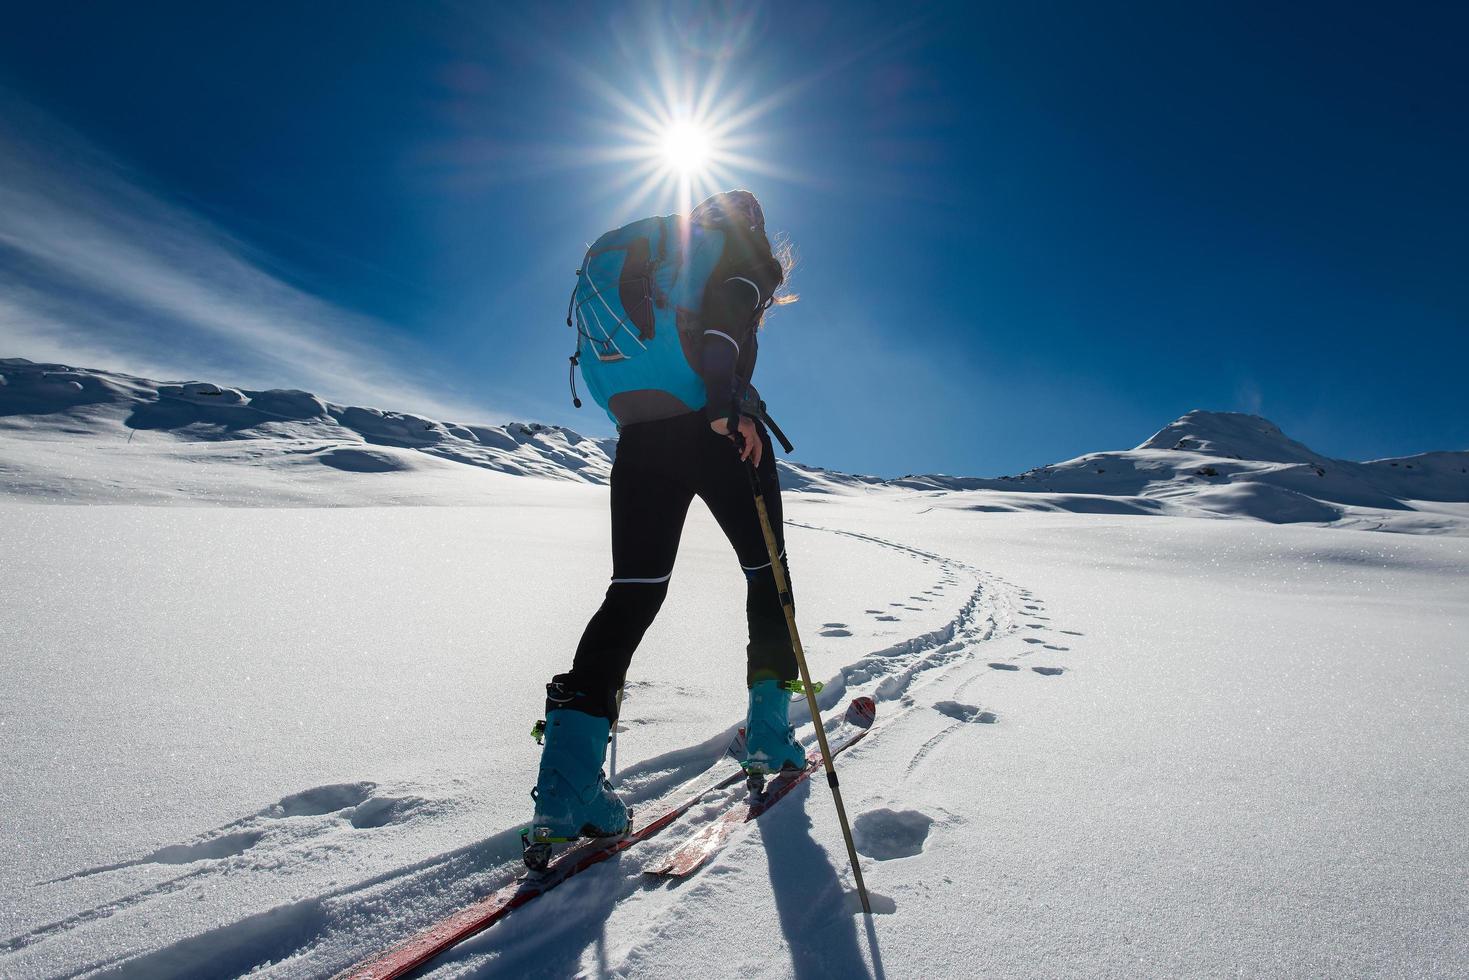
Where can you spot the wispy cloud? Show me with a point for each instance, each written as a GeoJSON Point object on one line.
{"type": "Point", "coordinates": [1248, 397]}
{"type": "Point", "coordinates": [94, 265]}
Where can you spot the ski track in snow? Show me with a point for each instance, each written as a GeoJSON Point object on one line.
{"type": "Point", "coordinates": [320, 934]}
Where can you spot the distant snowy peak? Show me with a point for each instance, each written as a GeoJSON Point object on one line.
{"type": "Point", "coordinates": [1232, 435]}
{"type": "Point", "coordinates": [1213, 465]}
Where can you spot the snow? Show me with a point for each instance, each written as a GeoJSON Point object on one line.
{"type": "Point", "coordinates": [268, 711]}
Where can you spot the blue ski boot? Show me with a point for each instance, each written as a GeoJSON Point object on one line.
{"type": "Point", "coordinates": [770, 745]}
{"type": "Point", "coordinates": [573, 797]}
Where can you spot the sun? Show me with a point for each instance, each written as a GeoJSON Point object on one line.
{"type": "Point", "coordinates": [676, 130]}
{"type": "Point", "coordinates": [687, 148]}
{"type": "Point", "coordinates": [672, 112]}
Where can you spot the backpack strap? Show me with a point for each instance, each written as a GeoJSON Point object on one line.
{"type": "Point", "coordinates": [660, 298]}
{"type": "Point", "coordinates": [570, 306]}
{"type": "Point", "coordinates": [780, 436]}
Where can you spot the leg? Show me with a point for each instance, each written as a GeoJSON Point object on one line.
{"type": "Point", "coordinates": [726, 490]}
{"type": "Point", "coordinates": [648, 513]}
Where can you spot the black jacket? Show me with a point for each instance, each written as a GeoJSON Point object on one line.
{"type": "Point", "coordinates": [739, 289]}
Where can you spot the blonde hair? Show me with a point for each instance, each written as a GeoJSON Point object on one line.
{"type": "Point", "coordinates": [740, 211]}
{"type": "Point", "coordinates": [784, 254]}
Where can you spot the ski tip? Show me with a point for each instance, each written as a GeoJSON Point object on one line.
{"type": "Point", "coordinates": [862, 712]}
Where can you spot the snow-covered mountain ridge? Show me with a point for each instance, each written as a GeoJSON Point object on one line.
{"type": "Point", "coordinates": [1227, 464]}
{"type": "Point", "coordinates": [144, 440]}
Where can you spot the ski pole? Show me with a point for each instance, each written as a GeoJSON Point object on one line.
{"type": "Point", "coordinates": [787, 603]}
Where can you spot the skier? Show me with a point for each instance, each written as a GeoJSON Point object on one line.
{"type": "Point", "coordinates": [666, 455]}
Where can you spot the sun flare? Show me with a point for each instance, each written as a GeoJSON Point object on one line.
{"type": "Point", "coordinates": [687, 148]}
{"type": "Point", "coordinates": [682, 131]}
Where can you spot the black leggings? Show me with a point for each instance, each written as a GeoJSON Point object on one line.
{"type": "Point", "coordinates": [660, 467]}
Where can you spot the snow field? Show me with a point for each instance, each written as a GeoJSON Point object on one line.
{"type": "Point", "coordinates": [1247, 762]}
{"type": "Point", "coordinates": [382, 664]}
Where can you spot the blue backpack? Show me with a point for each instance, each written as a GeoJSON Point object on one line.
{"type": "Point", "coordinates": [636, 308]}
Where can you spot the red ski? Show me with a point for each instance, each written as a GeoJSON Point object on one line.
{"type": "Point", "coordinates": [697, 850]}
{"type": "Point", "coordinates": [418, 950]}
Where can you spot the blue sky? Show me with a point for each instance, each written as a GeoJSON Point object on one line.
{"type": "Point", "coordinates": [1026, 231]}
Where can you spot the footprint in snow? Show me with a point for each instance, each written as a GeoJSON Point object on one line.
{"type": "Point", "coordinates": [888, 619]}
{"type": "Point", "coordinates": [965, 712]}
{"type": "Point", "coordinates": [1004, 666]}
{"type": "Point", "coordinates": [1052, 646]}
{"type": "Point", "coordinates": [885, 834]}
{"type": "Point", "coordinates": [365, 810]}
{"type": "Point", "coordinates": [1072, 632]}
{"type": "Point", "coordinates": [320, 800]}
{"type": "Point", "coordinates": [1033, 639]}
{"type": "Point", "coordinates": [836, 631]}
{"type": "Point", "coordinates": [381, 811]}
{"type": "Point", "coordinates": [1049, 671]}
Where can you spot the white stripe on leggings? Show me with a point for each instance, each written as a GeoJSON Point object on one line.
{"type": "Point", "coordinates": [642, 581]}
{"type": "Point", "coordinates": [766, 565]}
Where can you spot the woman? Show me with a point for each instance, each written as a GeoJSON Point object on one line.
{"type": "Point", "coordinates": [665, 458]}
